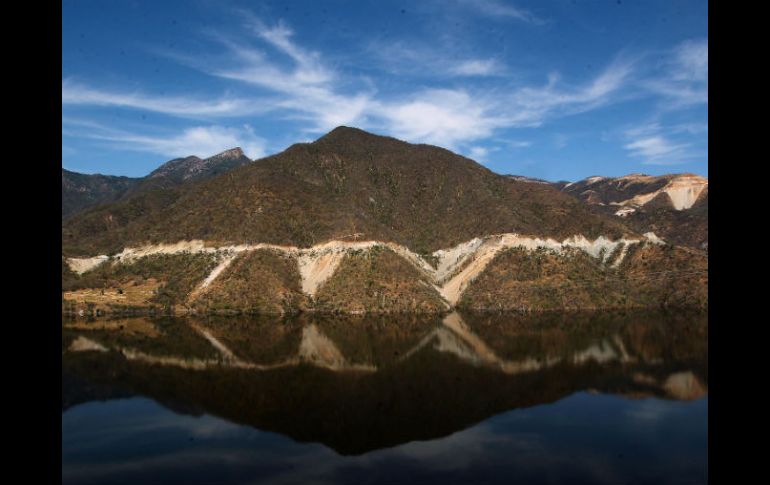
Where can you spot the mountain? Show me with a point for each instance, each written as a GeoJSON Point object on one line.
{"type": "Point", "coordinates": [347, 182]}
{"type": "Point", "coordinates": [521, 178]}
{"type": "Point", "coordinates": [674, 206]}
{"type": "Point", "coordinates": [81, 191]}
{"type": "Point", "coordinates": [628, 193]}
{"type": "Point", "coordinates": [190, 169]}
{"type": "Point", "coordinates": [355, 222]}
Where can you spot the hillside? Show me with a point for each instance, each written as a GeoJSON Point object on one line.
{"type": "Point", "coordinates": [648, 275]}
{"type": "Point", "coordinates": [679, 191]}
{"type": "Point", "coordinates": [495, 273]}
{"type": "Point", "coordinates": [674, 206]}
{"type": "Point", "coordinates": [81, 191]}
{"type": "Point", "coordinates": [689, 227]}
{"type": "Point", "coordinates": [347, 182]}
{"type": "Point", "coordinates": [190, 169]}
{"type": "Point", "coordinates": [361, 223]}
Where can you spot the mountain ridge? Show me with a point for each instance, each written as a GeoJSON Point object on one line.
{"type": "Point", "coordinates": [346, 182]}
{"type": "Point", "coordinates": [674, 206]}
{"type": "Point", "coordinates": [83, 191]}
{"type": "Point", "coordinates": [356, 222]}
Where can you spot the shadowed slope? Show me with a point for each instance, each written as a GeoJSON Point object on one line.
{"type": "Point", "coordinates": [81, 191]}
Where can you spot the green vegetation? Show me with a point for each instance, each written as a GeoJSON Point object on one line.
{"type": "Point", "coordinates": [649, 276]}
{"type": "Point", "coordinates": [377, 281]}
{"type": "Point", "coordinates": [352, 185]}
{"type": "Point", "coordinates": [348, 181]}
{"type": "Point", "coordinates": [261, 281]}
{"type": "Point", "coordinates": [80, 191]}
{"type": "Point", "coordinates": [178, 275]}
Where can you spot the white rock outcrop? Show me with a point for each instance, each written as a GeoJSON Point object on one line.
{"type": "Point", "coordinates": [456, 267]}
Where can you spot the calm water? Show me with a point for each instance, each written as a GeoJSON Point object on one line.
{"type": "Point", "coordinates": [610, 398]}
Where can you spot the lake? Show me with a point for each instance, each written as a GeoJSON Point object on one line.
{"type": "Point", "coordinates": [463, 398]}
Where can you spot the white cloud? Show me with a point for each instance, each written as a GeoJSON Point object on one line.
{"type": "Point", "coordinates": [495, 8]}
{"type": "Point", "coordinates": [202, 141]}
{"type": "Point", "coordinates": [643, 130]}
{"type": "Point", "coordinates": [442, 59]}
{"type": "Point", "coordinates": [478, 153]}
{"type": "Point", "coordinates": [657, 149]}
{"type": "Point", "coordinates": [439, 116]}
{"type": "Point", "coordinates": [531, 106]}
{"type": "Point", "coordinates": [299, 85]}
{"type": "Point", "coordinates": [653, 147]}
{"type": "Point", "coordinates": [685, 78]}
{"type": "Point", "coordinates": [476, 67]}
{"type": "Point", "coordinates": [312, 91]}
{"type": "Point", "coordinates": [307, 87]}
{"type": "Point", "coordinates": [451, 117]}
{"type": "Point", "coordinates": [658, 144]}
{"type": "Point", "coordinates": [693, 128]}
{"type": "Point", "coordinates": [253, 67]}
{"type": "Point", "coordinates": [692, 61]}
{"type": "Point", "coordinates": [74, 93]}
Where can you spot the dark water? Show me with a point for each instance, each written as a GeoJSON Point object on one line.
{"type": "Point", "coordinates": [609, 398]}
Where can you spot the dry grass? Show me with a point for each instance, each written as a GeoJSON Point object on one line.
{"type": "Point", "coordinates": [131, 294]}
{"type": "Point", "coordinates": [261, 281]}
{"type": "Point", "coordinates": [649, 276]}
{"type": "Point", "coordinates": [378, 281]}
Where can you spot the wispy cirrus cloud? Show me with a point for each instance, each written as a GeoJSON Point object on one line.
{"type": "Point", "coordinates": [657, 150]}
{"type": "Point", "coordinates": [498, 9]}
{"type": "Point", "coordinates": [454, 116]}
{"type": "Point", "coordinates": [514, 143]}
{"type": "Point", "coordinates": [421, 60]}
{"type": "Point", "coordinates": [203, 141]}
{"type": "Point", "coordinates": [298, 84]}
{"type": "Point", "coordinates": [656, 145]}
{"type": "Point", "coordinates": [685, 79]}
{"type": "Point", "coordinates": [310, 90]}
{"type": "Point", "coordinates": [307, 87]}
{"type": "Point", "coordinates": [531, 106]}
{"type": "Point", "coordinates": [440, 116]}
{"type": "Point", "coordinates": [76, 93]}
{"type": "Point", "coordinates": [476, 67]}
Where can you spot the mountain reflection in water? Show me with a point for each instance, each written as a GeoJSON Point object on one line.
{"type": "Point", "coordinates": [362, 384]}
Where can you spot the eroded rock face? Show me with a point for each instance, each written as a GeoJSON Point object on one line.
{"type": "Point", "coordinates": [673, 206]}
{"type": "Point", "coordinates": [377, 276]}
{"type": "Point", "coordinates": [684, 386]}
{"type": "Point", "coordinates": [636, 190]}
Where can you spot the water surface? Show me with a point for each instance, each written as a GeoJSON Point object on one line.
{"type": "Point", "coordinates": [579, 398]}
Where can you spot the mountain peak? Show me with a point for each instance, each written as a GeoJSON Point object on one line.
{"type": "Point", "coordinates": [342, 129]}
{"type": "Point", "coordinates": [351, 134]}
{"type": "Point", "coordinates": [236, 152]}
{"type": "Point", "coordinates": [175, 165]}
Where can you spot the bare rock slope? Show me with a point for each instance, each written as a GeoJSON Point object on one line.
{"type": "Point", "coordinates": [674, 206]}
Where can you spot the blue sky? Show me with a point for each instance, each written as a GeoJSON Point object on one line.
{"type": "Point", "coordinates": [560, 90]}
